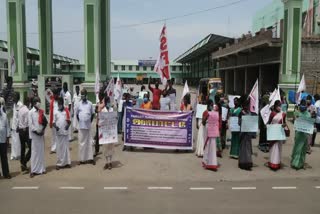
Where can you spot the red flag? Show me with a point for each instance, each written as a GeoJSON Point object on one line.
{"type": "Point", "coordinates": [162, 65]}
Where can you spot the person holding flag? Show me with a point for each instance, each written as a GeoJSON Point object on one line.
{"type": "Point", "coordinates": [156, 93]}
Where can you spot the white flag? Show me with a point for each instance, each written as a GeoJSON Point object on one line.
{"type": "Point", "coordinates": [162, 65]}
{"type": "Point", "coordinates": [275, 96]}
{"type": "Point", "coordinates": [302, 85]}
{"type": "Point", "coordinates": [185, 90]}
{"type": "Point", "coordinates": [265, 113]}
{"type": "Point", "coordinates": [110, 90]}
{"type": "Point", "coordinates": [13, 63]}
{"type": "Point", "coordinates": [118, 90]}
{"type": "Point", "coordinates": [254, 98]}
{"type": "Point", "coordinates": [97, 85]}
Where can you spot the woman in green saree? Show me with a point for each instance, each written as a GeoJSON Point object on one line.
{"type": "Point", "coordinates": [300, 147]}
{"type": "Point", "coordinates": [235, 136]}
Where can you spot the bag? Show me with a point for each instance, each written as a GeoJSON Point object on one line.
{"type": "Point", "coordinates": [287, 131]}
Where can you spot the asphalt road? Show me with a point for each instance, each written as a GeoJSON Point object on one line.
{"type": "Point", "coordinates": [268, 196]}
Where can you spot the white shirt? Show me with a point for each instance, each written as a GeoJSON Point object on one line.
{"type": "Point", "coordinates": [76, 99]}
{"type": "Point", "coordinates": [29, 119]}
{"type": "Point", "coordinates": [164, 103]}
{"type": "Point", "coordinates": [60, 119]}
{"type": "Point", "coordinates": [66, 98]}
{"type": "Point", "coordinates": [120, 105]}
{"type": "Point", "coordinates": [16, 108]}
{"type": "Point", "coordinates": [4, 128]}
{"type": "Point", "coordinates": [23, 117]}
{"type": "Point", "coordinates": [34, 122]}
{"type": "Point", "coordinates": [85, 111]}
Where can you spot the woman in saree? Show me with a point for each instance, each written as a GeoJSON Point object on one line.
{"type": "Point", "coordinates": [235, 136]}
{"type": "Point", "coordinates": [212, 120]}
{"type": "Point", "coordinates": [277, 116]}
{"type": "Point", "coordinates": [300, 147]}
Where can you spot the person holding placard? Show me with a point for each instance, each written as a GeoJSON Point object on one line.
{"type": "Point", "coordinates": [202, 133]}
{"type": "Point", "coordinates": [235, 135]}
{"type": "Point", "coordinates": [300, 147]}
{"type": "Point", "coordinates": [245, 151]}
{"type": "Point", "coordinates": [211, 117]}
{"type": "Point", "coordinates": [277, 116]}
{"type": "Point", "coordinates": [108, 148]}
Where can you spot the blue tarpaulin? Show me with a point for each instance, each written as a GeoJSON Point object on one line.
{"type": "Point", "coordinates": [292, 97]}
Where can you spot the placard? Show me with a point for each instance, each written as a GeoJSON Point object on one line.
{"type": "Point", "coordinates": [234, 124]}
{"type": "Point", "coordinates": [305, 125]}
{"type": "Point", "coordinates": [200, 109]}
{"type": "Point", "coordinates": [275, 132]}
{"type": "Point", "coordinates": [249, 124]}
{"type": "Point", "coordinates": [108, 129]}
{"type": "Point", "coordinates": [224, 113]}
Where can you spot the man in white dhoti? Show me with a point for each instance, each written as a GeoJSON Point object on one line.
{"type": "Point", "coordinates": [85, 114]}
{"type": "Point", "coordinates": [15, 143]}
{"type": "Point", "coordinates": [61, 123]}
{"type": "Point", "coordinates": [53, 109]}
{"type": "Point", "coordinates": [75, 102]}
{"type": "Point", "coordinates": [37, 125]}
{"type": "Point", "coordinates": [66, 95]}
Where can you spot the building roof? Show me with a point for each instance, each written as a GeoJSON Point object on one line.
{"type": "Point", "coordinates": [209, 44]}
{"type": "Point", "coordinates": [36, 52]}
{"type": "Point", "coordinates": [136, 62]}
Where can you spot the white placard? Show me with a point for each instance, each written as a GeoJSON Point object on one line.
{"type": "Point", "coordinates": [108, 129]}
{"type": "Point", "coordinates": [200, 109]}
{"type": "Point", "coordinates": [234, 124]}
{"type": "Point", "coordinates": [275, 132]}
{"type": "Point", "coordinates": [224, 113]}
{"type": "Point", "coordinates": [249, 124]}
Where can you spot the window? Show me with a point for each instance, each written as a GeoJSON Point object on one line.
{"type": "Point", "coordinates": [137, 68]}
{"type": "Point", "coordinates": [173, 68]}
{"type": "Point", "coordinates": [78, 67]}
{"type": "Point", "coordinates": [130, 67]}
{"type": "Point", "coordinates": [144, 68]}
{"type": "Point", "coordinates": [152, 68]}
{"type": "Point", "coordinates": [115, 67]}
{"type": "Point", "coordinates": [123, 67]}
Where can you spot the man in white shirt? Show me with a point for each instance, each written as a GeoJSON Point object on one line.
{"type": "Point", "coordinates": [61, 123]}
{"type": "Point", "coordinates": [75, 102]}
{"type": "Point", "coordinates": [37, 124]}
{"type": "Point", "coordinates": [53, 109]}
{"type": "Point", "coordinates": [66, 95]}
{"type": "Point", "coordinates": [23, 130]}
{"type": "Point", "coordinates": [4, 139]}
{"type": "Point", "coordinates": [15, 143]}
{"type": "Point", "coordinates": [85, 114]}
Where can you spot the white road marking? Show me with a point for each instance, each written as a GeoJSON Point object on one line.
{"type": "Point", "coordinates": [115, 188]}
{"type": "Point", "coordinates": [317, 187]}
{"type": "Point", "coordinates": [244, 188]}
{"type": "Point", "coordinates": [277, 188]}
{"type": "Point", "coordinates": [72, 188]}
{"type": "Point", "coordinates": [160, 188]}
{"type": "Point", "coordinates": [24, 188]}
{"type": "Point", "coordinates": [201, 188]}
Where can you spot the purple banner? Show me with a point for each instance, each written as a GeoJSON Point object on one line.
{"type": "Point", "coordinates": [158, 129]}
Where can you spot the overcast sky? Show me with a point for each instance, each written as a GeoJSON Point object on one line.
{"type": "Point", "coordinates": [140, 42]}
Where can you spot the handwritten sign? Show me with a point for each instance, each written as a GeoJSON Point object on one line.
{"type": "Point", "coordinates": [224, 113]}
{"type": "Point", "coordinates": [234, 124]}
{"type": "Point", "coordinates": [200, 110]}
{"type": "Point", "coordinates": [275, 132]}
{"type": "Point", "coordinates": [305, 125]}
{"type": "Point", "coordinates": [249, 124]}
{"type": "Point", "coordinates": [108, 130]}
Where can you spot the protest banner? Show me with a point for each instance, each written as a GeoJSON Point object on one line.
{"type": "Point", "coordinates": [108, 130]}
{"type": "Point", "coordinates": [158, 129]}
{"type": "Point", "coordinates": [305, 125]}
{"type": "Point", "coordinates": [200, 109]}
{"type": "Point", "coordinates": [234, 124]}
{"type": "Point", "coordinates": [275, 132]}
{"type": "Point", "coordinates": [249, 124]}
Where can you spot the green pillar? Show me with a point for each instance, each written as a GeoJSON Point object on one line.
{"type": "Point", "coordinates": [291, 49]}
{"type": "Point", "coordinates": [97, 39]}
{"type": "Point", "coordinates": [45, 36]}
{"type": "Point", "coordinates": [16, 18]}
{"type": "Point", "coordinates": [105, 61]}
